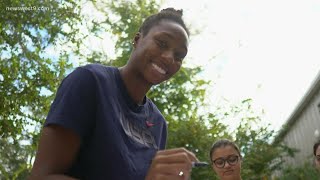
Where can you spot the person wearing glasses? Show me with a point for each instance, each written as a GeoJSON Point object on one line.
{"type": "Point", "coordinates": [316, 152]}
{"type": "Point", "coordinates": [226, 160]}
{"type": "Point", "coordinates": [102, 125]}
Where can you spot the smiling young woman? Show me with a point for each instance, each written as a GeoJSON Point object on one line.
{"type": "Point", "coordinates": [316, 153]}
{"type": "Point", "coordinates": [101, 125]}
{"type": "Point", "coordinates": [226, 160]}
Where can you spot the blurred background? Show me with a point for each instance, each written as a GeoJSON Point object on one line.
{"type": "Point", "coordinates": [251, 75]}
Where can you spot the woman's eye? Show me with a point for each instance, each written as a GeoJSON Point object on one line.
{"type": "Point", "coordinates": [162, 44]}
{"type": "Point", "coordinates": [233, 159]}
{"type": "Point", "coordinates": [219, 162]}
{"type": "Point", "coordinates": [179, 57]}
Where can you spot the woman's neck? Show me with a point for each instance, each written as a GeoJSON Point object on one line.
{"type": "Point", "coordinates": [136, 87]}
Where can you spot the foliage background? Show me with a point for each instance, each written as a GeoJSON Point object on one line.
{"type": "Point", "coordinates": [38, 49]}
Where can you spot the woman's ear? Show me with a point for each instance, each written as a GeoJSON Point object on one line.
{"type": "Point", "coordinates": [136, 39]}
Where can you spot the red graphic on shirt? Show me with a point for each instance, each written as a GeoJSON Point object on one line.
{"type": "Point", "coordinates": [149, 124]}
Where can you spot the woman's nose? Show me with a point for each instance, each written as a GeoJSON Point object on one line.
{"type": "Point", "coordinates": [168, 56]}
{"type": "Point", "coordinates": [227, 165]}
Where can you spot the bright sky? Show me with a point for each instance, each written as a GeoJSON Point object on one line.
{"type": "Point", "coordinates": [267, 50]}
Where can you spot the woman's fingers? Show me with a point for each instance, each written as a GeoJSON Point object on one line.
{"type": "Point", "coordinates": [173, 169]}
{"type": "Point", "coordinates": [171, 164]}
{"type": "Point", "coordinates": [171, 177]}
{"type": "Point", "coordinates": [184, 151]}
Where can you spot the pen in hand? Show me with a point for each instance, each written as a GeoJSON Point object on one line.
{"type": "Point", "coordinates": [199, 164]}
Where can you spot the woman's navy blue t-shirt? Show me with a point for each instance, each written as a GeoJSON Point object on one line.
{"type": "Point", "coordinates": [118, 137]}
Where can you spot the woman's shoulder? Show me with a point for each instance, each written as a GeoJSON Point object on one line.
{"type": "Point", "coordinates": [99, 68]}
{"type": "Point", "coordinates": [100, 71]}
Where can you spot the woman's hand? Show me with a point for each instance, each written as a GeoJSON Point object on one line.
{"type": "Point", "coordinates": [171, 164]}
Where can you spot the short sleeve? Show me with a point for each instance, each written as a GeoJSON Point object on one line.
{"type": "Point", "coordinates": [75, 103]}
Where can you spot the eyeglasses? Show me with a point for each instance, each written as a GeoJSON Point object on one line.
{"type": "Point", "coordinates": [232, 161]}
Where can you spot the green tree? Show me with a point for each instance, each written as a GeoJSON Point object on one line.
{"type": "Point", "coordinates": [29, 78]}
{"type": "Point", "coordinates": [260, 156]}
{"type": "Point", "coordinates": [28, 75]}
{"type": "Point", "coordinates": [15, 159]}
{"type": "Point", "coordinates": [305, 171]}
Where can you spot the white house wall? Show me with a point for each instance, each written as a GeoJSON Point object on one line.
{"type": "Point", "coordinates": [301, 134]}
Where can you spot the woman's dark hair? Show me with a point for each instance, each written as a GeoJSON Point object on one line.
{"type": "Point", "coordinates": [315, 147]}
{"type": "Point", "coordinates": [223, 143]}
{"type": "Point", "coordinates": [170, 14]}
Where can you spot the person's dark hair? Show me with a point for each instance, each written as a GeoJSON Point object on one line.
{"type": "Point", "coordinates": [315, 147]}
{"type": "Point", "coordinates": [170, 14]}
{"type": "Point", "coordinates": [223, 143]}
